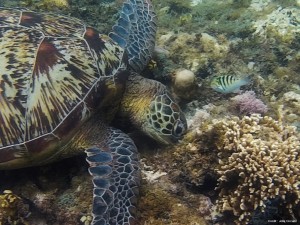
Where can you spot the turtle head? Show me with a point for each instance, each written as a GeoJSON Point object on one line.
{"type": "Point", "coordinates": [165, 121]}
{"type": "Point", "coordinates": [151, 109]}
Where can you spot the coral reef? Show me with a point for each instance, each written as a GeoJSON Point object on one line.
{"type": "Point", "coordinates": [282, 24]}
{"type": "Point", "coordinates": [13, 210]}
{"type": "Point", "coordinates": [194, 159]}
{"type": "Point", "coordinates": [288, 108]}
{"type": "Point", "coordinates": [206, 207]}
{"type": "Point", "coordinates": [259, 160]}
{"type": "Point", "coordinates": [207, 48]}
{"type": "Point", "coordinates": [206, 37]}
{"type": "Point", "coordinates": [251, 161]}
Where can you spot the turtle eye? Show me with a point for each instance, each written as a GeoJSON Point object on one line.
{"type": "Point", "coordinates": [166, 121]}
{"type": "Point", "coordinates": [179, 128]}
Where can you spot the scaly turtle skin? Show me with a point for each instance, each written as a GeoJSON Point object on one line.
{"type": "Point", "coordinates": [61, 83]}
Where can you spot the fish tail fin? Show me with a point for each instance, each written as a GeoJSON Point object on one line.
{"type": "Point", "coordinates": [246, 79]}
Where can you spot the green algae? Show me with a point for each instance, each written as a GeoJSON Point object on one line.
{"type": "Point", "coordinates": [221, 18]}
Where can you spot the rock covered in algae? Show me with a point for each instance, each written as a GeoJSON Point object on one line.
{"type": "Point", "coordinates": [289, 105]}
{"type": "Point", "coordinates": [194, 51]}
{"type": "Point", "coordinates": [164, 200]}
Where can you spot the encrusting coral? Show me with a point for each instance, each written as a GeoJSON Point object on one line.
{"type": "Point", "coordinates": [12, 209]}
{"type": "Point", "coordinates": [259, 160]}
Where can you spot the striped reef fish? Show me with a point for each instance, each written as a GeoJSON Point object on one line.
{"type": "Point", "coordinates": [228, 83]}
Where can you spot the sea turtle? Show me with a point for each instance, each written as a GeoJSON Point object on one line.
{"type": "Point", "coordinates": [62, 83]}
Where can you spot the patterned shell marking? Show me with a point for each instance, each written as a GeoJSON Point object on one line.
{"type": "Point", "coordinates": [49, 66]}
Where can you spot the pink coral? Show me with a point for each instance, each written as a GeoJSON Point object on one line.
{"type": "Point", "coordinates": [247, 103]}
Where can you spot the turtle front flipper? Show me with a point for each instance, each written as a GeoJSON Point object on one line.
{"type": "Point", "coordinates": [135, 31]}
{"type": "Point", "coordinates": [116, 177]}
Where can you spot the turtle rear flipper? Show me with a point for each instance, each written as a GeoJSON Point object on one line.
{"type": "Point", "coordinates": [116, 178]}
{"type": "Point", "coordinates": [135, 31]}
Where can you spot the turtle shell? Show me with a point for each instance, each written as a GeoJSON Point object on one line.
{"type": "Point", "coordinates": [53, 75]}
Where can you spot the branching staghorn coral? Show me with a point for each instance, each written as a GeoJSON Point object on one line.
{"type": "Point", "coordinates": [259, 160]}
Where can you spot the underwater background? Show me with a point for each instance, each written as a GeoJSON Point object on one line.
{"type": "Point", "coordinates": [234, 66]}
